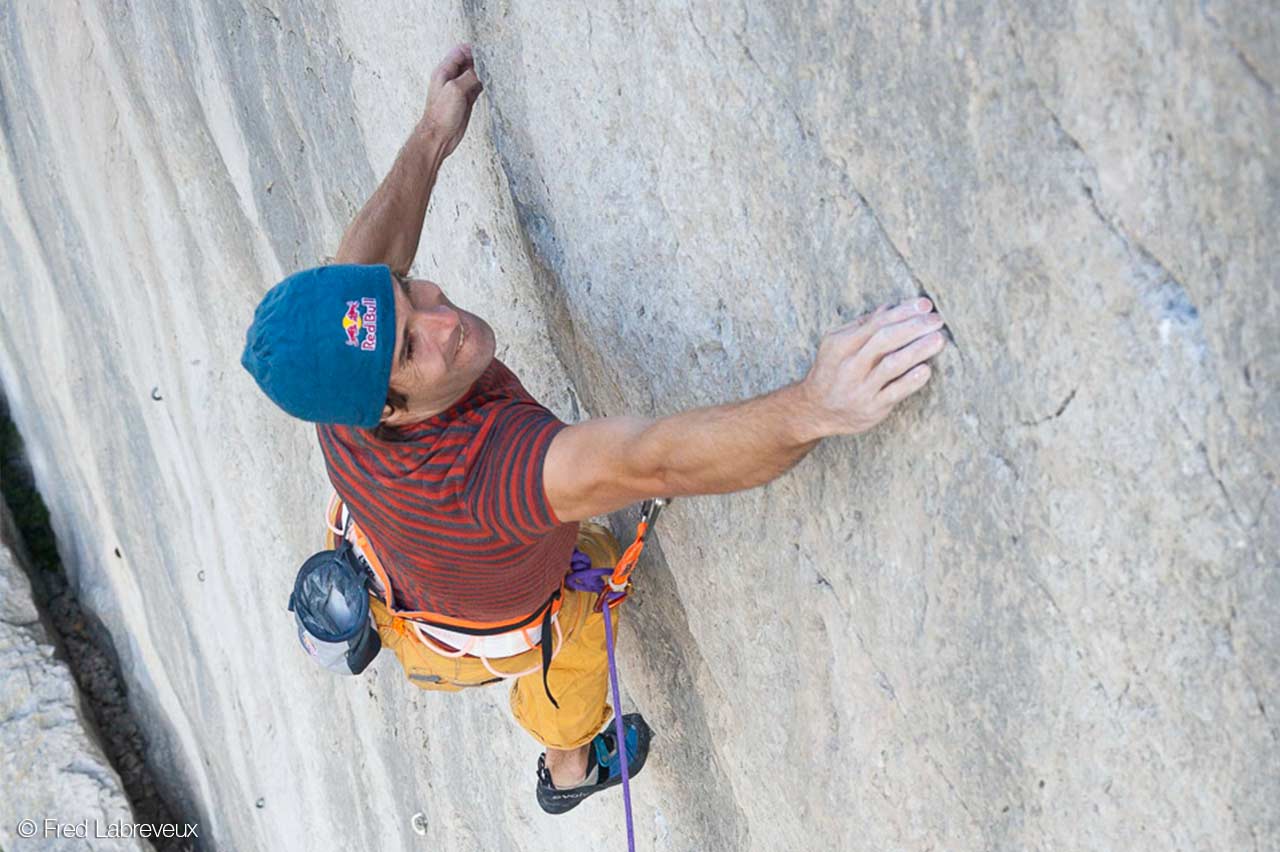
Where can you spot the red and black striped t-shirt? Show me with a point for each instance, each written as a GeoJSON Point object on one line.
{"type": "Point", "coordinates": [455, 508]}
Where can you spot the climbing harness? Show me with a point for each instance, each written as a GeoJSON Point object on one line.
{"type": "Point", "coordinates": [451, 637]}
{"type": "Point", "coordinates": [455, 637]}
{"type": "Point", "coordinates": [611, 586]}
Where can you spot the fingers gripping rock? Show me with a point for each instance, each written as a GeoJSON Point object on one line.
{"type": "Point", "coordinates": [866, 367]}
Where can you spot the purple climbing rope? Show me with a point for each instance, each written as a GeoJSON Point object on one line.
{"type": "Point", "coordinates": [584, 578]}
{"type": "Point", "coordinates": [619, 730]}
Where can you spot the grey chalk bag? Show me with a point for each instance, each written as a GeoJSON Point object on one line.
{"type": "Point", "coordinates": [330, 603]}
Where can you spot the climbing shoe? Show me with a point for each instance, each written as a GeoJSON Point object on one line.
{"type": "Point", "coordinates": [604, 765]}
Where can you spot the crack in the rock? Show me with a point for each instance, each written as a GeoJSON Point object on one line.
{"type": "Point", "coordinates": [742, 43]}
{"type": "Point", "coordinates": [97, 774]}
{"type": "Point", "coordinates": [730, 78]}
{"type": "Point", "coordinates": [1178, 303]}
{"type": "Point", "coordinates": [1251, 69]}
{"type": "Point", "coordinates": [924, 611]}
{"type": "Point", "coordinates": [1272, 728]}
{"type": "Point", "coordinates": [846, 183]}
{"type": "Point", "coordinates": [575, 409]}
{"type": "Point", "coordinates": [22, 713]}
{"type": "Point", "coordinates": [1262, 508]}
{"type": "Point", "coordinates": [1055, 415]}
{"type": "Point", "coordinates": [534, 237]}
{"type": "Point", "coordinates": [1065, 403]}
{"type": "Point", "coordinates": [1044, 589]}
{"type": "Point", "coordinates": [937, 767]}
{"type": "Point", "coordinates": [1130, 243]}
{"type": "Point", "coordinates": [1213, 473]}
{"type": "Point", "coordinates": [591, 31]}
{"type": "Point", "coordinates": [882, 679]}
{"type": "Point", "coordinates": [1016, 41]}
{"type": "Point", "coordinates": [269, 13]}
{"type": "Point", "coordinates": [809, 137]}
{"type": "Point", "coordinates": [996, 451]}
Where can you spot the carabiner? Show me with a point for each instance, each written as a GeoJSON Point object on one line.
{"type": "Point", "coordinates": [619, 582]}
{"type": "Point", "coordinates": [650, 509]}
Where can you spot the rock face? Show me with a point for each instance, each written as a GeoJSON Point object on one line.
{"type": "Point", "coordinates": [1039, 608]}
{"type": "Point", "coordinates": [51, 763]}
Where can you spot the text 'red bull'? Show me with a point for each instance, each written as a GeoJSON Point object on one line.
{"type": "Point", "coordinates": [353, 322]}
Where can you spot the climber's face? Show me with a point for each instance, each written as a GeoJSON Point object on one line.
{"type": "Point", "coordinates": [440, 351]}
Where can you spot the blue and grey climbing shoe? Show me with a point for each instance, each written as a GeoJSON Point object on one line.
{"type": "Point", "coordinates": [603, 764]}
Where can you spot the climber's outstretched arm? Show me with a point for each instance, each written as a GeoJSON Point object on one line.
{"type": "Point", "coordinates": [388, 227]}
{"type": "Point", "coordinates": [861, 372]}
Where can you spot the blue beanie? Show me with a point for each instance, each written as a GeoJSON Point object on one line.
{"type": "Point", "coordinates": [321, 344]}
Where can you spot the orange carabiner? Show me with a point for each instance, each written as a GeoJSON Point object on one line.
{"type": "Point", "coordinates": [620, 581]}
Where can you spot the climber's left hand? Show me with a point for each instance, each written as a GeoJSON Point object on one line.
{"type": "Point", "coordinates": [452, 93]}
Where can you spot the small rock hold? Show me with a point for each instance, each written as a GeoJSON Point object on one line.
{"type": "Point", "coordinates": [155, 393]}
{"type": "Point", "coordinates": [118, 556]}
{"type": "Point", "coordinates": [200, 576]}
{"type": "Point", "coordinates": [261, 803]}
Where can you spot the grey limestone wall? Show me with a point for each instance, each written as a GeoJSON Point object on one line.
{"type": "Point", "coordinates": [1039, 608]}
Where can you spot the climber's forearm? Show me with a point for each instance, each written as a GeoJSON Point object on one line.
{"type": "Point", "coordinates": [863, 369]}
{"type": "Point", "coordinates": [728, 447]}
{"type": "Point", "coordinates": [387, 229]}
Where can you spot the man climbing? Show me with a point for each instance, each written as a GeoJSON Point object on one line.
{"type": "Point", "coordinates": [474, 498]}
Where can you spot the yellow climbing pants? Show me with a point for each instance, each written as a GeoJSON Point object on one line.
{"type": "Point", "coordinates": [578, 677]}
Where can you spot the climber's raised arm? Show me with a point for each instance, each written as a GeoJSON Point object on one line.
{"type": "Point", "coordinates": [861, 372]}
{"type": "Point", "coordinates": [388, 227]}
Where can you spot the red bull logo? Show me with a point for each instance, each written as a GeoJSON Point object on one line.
{"type": "Point", "coordinates": [354, 322]}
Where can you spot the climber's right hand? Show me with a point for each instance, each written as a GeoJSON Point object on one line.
{"type": "Point", "coordinates": [865, 368]}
